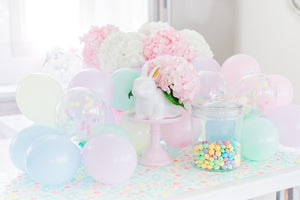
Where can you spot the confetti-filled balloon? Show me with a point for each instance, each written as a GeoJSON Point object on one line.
{"type": "Point", "coordinates": [37, 97]}
{"type": "Point", "coordinates": [52, 159]}
{"type": "Point", "coordinates": [79, 112]}
{"type": "Point", "coordinates": [256, 92]}
{"type": "Point", "coordinates": [62, 65]}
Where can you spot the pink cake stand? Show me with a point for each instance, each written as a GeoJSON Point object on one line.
{"type": "Point", "coordinates": [155, 155]}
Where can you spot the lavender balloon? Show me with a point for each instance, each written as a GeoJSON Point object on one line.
{"type": "Point", "coordinates": [205, 64]}
{"type": "Point", "coordinates": [287, 120]}
{"type": "Point", "coordinates": [209, 81]}
{"type": "Point", "coordinates": [109, 158]}
{"type": "Point", "coordinates": [96, 80]}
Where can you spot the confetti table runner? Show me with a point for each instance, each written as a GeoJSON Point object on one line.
{"type": "Point", "coordinates": [146, 182]}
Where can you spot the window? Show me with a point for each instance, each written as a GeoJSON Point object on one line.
{"type": "Point", "coordinates": [30, 28]}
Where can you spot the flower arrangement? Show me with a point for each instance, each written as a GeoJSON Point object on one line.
{"type": "Point", "coordinates": [92, 43]}
{"type": "Point", "coordinates": [197, 43]}
{"type": "Point", "coordinates": [109, 49]}
{"type": "Point", "coordinates": [121, 50]}
{"type": "Point", "coordinates": [175, 76]}
{"type": "Point", "coordinates": [166, 42]}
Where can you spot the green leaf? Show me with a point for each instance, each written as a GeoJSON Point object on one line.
{"type": "Point", "coordinates": [173, 99]}
{"type": "Point", "coordinates": [130, 94]}
{"type": "Point", "coordinates": [82, 143]}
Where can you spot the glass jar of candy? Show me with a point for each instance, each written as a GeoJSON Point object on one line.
{"type": "Point", "coordinates": [216, 127]}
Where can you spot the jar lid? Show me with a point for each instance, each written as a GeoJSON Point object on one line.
{"type": "Point", "coordinates": [217, 107]}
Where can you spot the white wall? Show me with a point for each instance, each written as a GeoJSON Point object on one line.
{"type": "Point", "coordinates": [270, 31]}
{"type": "Point", "coordinates": [214, 19]}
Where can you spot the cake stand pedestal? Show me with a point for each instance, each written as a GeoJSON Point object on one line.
{"type": "Point", "coordinates": [155, 155]}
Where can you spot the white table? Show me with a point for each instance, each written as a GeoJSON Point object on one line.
{"type": "Point", "coordinates": [245, 188]}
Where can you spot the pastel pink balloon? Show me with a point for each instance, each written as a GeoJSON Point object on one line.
{"type": "Point", "coordinates": [96, 80]}
{"type": "Point", "coordinates": [205, 64]}
{"type": "Point", "coordinates": [118, 114]}
{"type": "Point", "coordinates": [178, 135]}
{"type": "Point", "coordinates": [237, 66]}
{"type": "Point", "coordinates": [109, 158]}
{"type": "Point", "coordinates": [287, 120]}
{"type": "Point", "coordinates": [285, 89]}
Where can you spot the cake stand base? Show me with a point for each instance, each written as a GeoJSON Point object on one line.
{"type": "Point", "coordinates": [155, 155]}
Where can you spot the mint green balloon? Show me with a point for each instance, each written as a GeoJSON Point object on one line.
{"type": "Point", "coordinates": [111, 128]}
{"type": "Point", "coordinates": [123, 82]}
{"type": "Point", "coordinates": [260, 138]}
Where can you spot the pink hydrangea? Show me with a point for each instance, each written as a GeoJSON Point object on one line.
{"type": "Point", "coordinates": [166, 41]}
{"type": "Point", "coordinates": [92, 42]}
{"type": "Point", "coordinates": [175, 74]}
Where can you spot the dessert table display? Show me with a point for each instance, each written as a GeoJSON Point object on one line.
{"type": "Point", "coordinates": [153, 116]}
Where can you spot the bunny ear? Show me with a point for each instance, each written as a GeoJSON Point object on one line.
{"type": "Point", "coordinates": [154, 73]}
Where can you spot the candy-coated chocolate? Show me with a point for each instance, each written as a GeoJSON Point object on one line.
{"type": "Point", "coordinates": [219, 155]}
{"type": "Point", "coordinates": [206, 156]}
{"type": "Point", "coordinates": [221, 163]}
{"type": "Point", "coordinates": [217, 147]}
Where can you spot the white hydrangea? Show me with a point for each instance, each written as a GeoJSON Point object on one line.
{"type": "Point", "coordinates": [151, 27]}
{"type": "Point", "coordinates": [121, 50]}
{"type": "Point", "coordinates": [197, 43]}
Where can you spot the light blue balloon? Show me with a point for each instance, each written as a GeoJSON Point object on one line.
{"type": "Point", "coordinates": [123, 82]}
{"type": "Point", "coordinates": [260, 138]}
{"type": "Point", "coordinates": [21, 142]}
{"type": "Point", "coordinates": [111, 128]}
{"type": "Point", "coordinates": [52, 160]}
{"type": "Point", "coordinates": [220, 130]}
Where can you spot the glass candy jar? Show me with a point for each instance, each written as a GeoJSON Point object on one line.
{"type": "Point", "coordinates": [216, 128]}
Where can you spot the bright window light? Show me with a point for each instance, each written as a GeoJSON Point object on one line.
{"type": "Point", "coordinates": [52, 23]}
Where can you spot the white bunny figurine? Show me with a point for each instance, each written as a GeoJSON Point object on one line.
{"type": "Point", "coordinates": [150, 102]}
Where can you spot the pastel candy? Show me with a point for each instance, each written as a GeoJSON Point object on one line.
{"type": "Point", "coordinates": [219, 155]}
